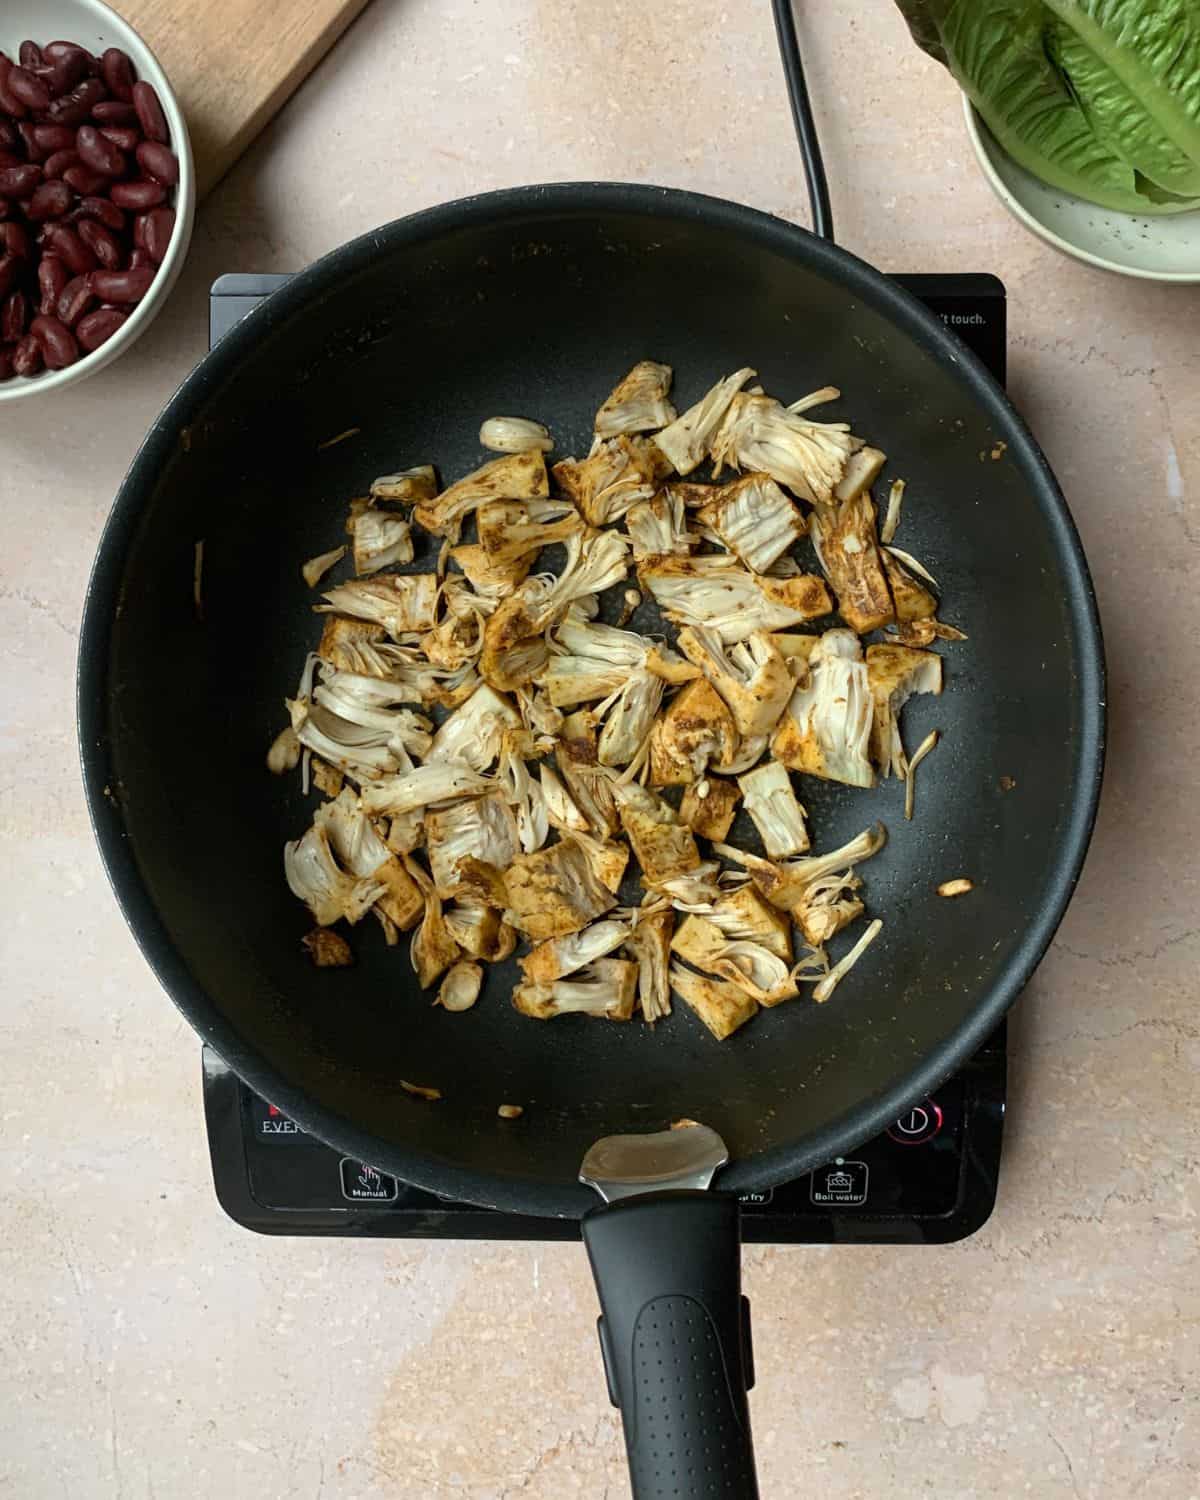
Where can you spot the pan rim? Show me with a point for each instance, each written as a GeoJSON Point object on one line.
{"type": "Point", "coordinates": [517, 1192]}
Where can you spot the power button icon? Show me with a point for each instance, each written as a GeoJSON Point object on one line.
{"type": "Point", "coordinates": [917, 1125]}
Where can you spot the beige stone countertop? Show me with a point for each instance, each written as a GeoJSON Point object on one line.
{"type": "Point", "coordinates": [152, 1349]}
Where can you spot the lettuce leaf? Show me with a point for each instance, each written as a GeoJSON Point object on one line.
{"type": "Point", "coordinates": [1153, 47]}
{"type": "Point", "coordinates": [1116, 116]}
{"type": "Point", "coordinates": [1100, 98]}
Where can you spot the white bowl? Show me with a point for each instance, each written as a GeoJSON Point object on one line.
{"type": "Point", "coordinates": [1160, 247]}
{"type": "Point", "coordinates": [94, 26]}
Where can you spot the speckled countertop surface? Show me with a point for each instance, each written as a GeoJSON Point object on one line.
{"type": "Point", "coordinates": [151, 1349]}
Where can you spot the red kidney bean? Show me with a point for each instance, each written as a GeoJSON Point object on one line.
{"type": "Point", "coordinates": [52, 276]}
{"type": "Point", "coordinates": [114, 112]}
{"type": "Point", "coordinates": [6, 365]}
{"type": "Point", "coordinates": [29, 54]}
{"type": "Point", "coordinates": [140, 259]}
{"type": "Point", "coordinates": [10, 159]}
{"type": "Point", "coordinates": [101, 243]}
{"type": "Point", "coordinates": [33, 151]}
{"type": "Point", "coordinates": [84, 180]}
{"type": "Point", "coordinates": [10, 271]}
{"type": "Point", "coordinates": [139, 195]}
{"type": "Point", "coordinates": [14, 315]}
{"type": "Point", "coordinates": [98, 327]}
{"type": "Point", "coordinates": [97, 152]}
{"type": "Point", "coordinates": [54, 137]}
{"type": "Point", "coordinates": [50, 201]}
{"type": "Point", "coordinates": [9, 103]}
{"type": "Point", "coordinates": [28, 88]}
{"type": "Point", "coordinates": [156, 229]}
{"type": "Point", "coordinates": [19, 182]}
{"type": "Point", "coordinates": [117, 72]}
{"type": "Point", "coordinates": [64, 73]}
{"type": "Point", "coordinates": [52, 51]}
{"type": "Point", "coordinates": [60, 162]}
{"type": "Point", "coordinates": [124, 137]}
{"type": "Point", "coordinates": [123, 286]}
{"type": "Point", "coordinates": [63, 241]}
{"type": "Point", "coordinates": [27, 356]}
{"type": "Point", "coordinates": [74, 300]}
{"type": "Point", "coordinates": [74, 61]}
{"type": "Point", "coordinates": [103, 209]}
{"type": "Point", "coordinates": [14, 240]}
{"type": "Point", "coordinates": [8, 135]}
{"type": "Point", "coordinates": [58, 345]}
{"type": "Point", "coordinates": [75, 107]}
{"type": "Point", "coordinates": [158, 161]}
{"type": "Point", "coordinates": [150, 113]}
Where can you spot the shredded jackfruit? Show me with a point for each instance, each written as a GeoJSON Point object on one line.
{"type": "Point", "coordinates": [758, 434]}
{"type": "Point", "coordinates": [770, 799]}
{"type": "Point", "coordinates": [755, 520]}
{"type": "Point", "coordinates": [826, 727]}
{"type": "Point", "coordinates": [507, 770]}
{"type": "Point", "coordinates": [638, 403]}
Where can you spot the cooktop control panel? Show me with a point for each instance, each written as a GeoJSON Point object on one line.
{"type": "Point", "coordinates": [929, 1178]}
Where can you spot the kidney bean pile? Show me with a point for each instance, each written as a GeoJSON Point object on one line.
{"type": "Point", "coordinates": [87, 176]}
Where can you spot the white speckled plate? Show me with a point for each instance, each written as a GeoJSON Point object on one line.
{"type": "Point", "coordinates": [1165, 247]}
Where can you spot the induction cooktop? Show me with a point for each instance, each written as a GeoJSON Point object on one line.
{"type": "Point", "coordinates": [930, 1178]}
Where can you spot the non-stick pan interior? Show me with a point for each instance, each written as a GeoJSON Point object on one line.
{"type": "Point", "coordinates": [535, 303]}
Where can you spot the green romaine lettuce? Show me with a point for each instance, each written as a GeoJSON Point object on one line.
{"type": "Point", "coordinates": [1098, 97]}
{"type": "Point", "coordinates": [1116, 117]}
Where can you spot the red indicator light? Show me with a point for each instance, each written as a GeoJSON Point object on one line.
{"type": "Point", "coordinates": [917, 1125]}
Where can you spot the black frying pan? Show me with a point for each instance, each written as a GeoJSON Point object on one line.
{"type": "Point", "coordinates": [535, 301]}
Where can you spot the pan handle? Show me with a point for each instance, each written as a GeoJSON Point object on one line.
{"type": "Point", "coordinates": [675, 1335]}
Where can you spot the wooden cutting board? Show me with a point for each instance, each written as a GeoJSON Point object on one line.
{"type": "Point", "coordinates": [233, 63]}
